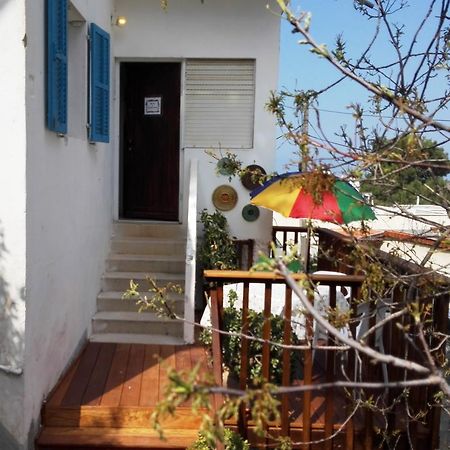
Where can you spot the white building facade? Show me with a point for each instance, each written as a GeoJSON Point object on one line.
{"type": "Point", "coordinates": [211, 67]}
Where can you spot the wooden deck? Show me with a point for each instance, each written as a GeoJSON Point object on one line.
{"type": "Point", "coordinates": [106, 398]}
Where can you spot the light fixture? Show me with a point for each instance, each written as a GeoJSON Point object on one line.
{"type": "Point", "coordinates": [121, 21]}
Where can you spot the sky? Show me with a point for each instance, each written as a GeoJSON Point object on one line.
{"type": "Point", "coordinates": [303, 70]}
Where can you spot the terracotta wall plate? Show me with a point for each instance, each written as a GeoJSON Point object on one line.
{"type": "Point", "coordinates": [248, 180]}
{"type": "Point", "coordinates": [224, 198]}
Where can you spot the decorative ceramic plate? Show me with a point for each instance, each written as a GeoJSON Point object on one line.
{"type": "Point", "coordinates": [224, 198]}
{"type": "Point", "coordinates": [249, 180]}
{"type": "Point", "coordinates": [250, 213]}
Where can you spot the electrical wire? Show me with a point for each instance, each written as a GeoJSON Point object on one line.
{"type": "Point", "coordinates": [366, 115]}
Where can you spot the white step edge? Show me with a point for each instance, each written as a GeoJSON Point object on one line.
{"type": "Point", "coordinates": [150, 258]}
{"type": "Point", "coordinates": [118, 295]}
{"type": "Point", "coordinates": [129, 338]}
{"type": "Point", "coordinates": [149, 239]}
{"type": "Point", "coordinates": [129, 316]}
{"type": "Point", "coordinates": [144, 275]}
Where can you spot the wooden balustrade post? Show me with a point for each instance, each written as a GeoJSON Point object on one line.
{"type": "Point", "coordinates": [330, 376]}
{"type": "Point", "coordinates": [286, 380]}
{"type": "Point", "coordinates": [307, 379]}
{"type": "Point", "coordinates": [349, 428]}
{"type": "Point", "coordinates": [216, 351]}
{"type": "Point", "coordinates": [368, 376]}
{"type": "Point", "coordinates": [243, 379]}
{"type": "Point", "coordinates": [441, 324]}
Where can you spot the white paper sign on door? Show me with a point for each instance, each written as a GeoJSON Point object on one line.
{"type": "Point", "coordinates": [152, 106]}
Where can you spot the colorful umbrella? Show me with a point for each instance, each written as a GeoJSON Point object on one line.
{"type": "Point", "coordinates": [312, 195]}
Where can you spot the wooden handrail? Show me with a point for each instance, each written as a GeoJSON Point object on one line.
{"type": "Point", "coordinates": [254, 276]}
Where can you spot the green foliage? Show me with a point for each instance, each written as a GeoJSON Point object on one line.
{"type": "Point", "coordinates": [231, 347]}
{"type": "Point", "coordinates": [217, 250]}
{"type": "Point", "coordinates": [158, 299]}
{"type": "Point", "coordinates": [183, 386]}
{"type": "Point", "coordinates": [233, 441]}
{"type": "Point", "coordinates": [407, 169]}
{"type": "Point", "coordinates": [191, 386]}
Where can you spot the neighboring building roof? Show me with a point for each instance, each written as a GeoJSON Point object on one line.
{"type": "Point", "coordinates": [411, 238]}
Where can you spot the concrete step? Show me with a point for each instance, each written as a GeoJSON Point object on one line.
{"type": "Point", "coordinates": [135, 323]}
{"type": "Point", "coordinates": [146, 263]}
{"type": "Point", "coordinates": [114, 301]}
{"type": "Point", "coordinates": [146, 229]}
{"type": "Point", "coordinates": [120, 281]}
{"type": "Point", "coordinates": [149, 246]}
{"type": "Point", "coordinates": [127, 338]}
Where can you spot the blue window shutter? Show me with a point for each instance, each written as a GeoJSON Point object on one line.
{"type": "Point", "coordinates": [99, 85]}
{"type": "Point", "coordinates": [57, 65]}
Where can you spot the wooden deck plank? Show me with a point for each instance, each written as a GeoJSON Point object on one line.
{"type": "Point", "coordinates": [183, 358]}
{"type": "Point", "coordinates": [150, 376]}
{"type": "Point", "coordinates": [167, 355]}
{"type": "Point", "coordinates": [96, 386]}
{"type": "Point", "coordinates": [77, 387]}
{"type": "Point", "coordinates": [131, 391]}
{"type": "Point", "coordinates": [183, 363]}
{"type": "Point", "coordinates": [200, 356]}
{"type": "Point", "coordinates": [116, 437]}
{"type": "Point", "coordinates": [117, 417]}
{"type": "Point", "coordinates": [114, 383]}
{"type": "Point", "coordinates": [56, 397]}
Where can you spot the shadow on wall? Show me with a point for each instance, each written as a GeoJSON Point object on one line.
{"type": "Point", "coordinates": [3, 3]}
{"type": "Point", "coordinates": [7, 440]}
{"type": "Point", "coordinates": [11, 338]}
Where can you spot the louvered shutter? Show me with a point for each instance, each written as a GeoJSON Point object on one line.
{"type": "Point", "coordinates": [219, 103]}
{"type": "Point", "coordinates": [57, 65]}
{"type": "Point", "coordinates": [99, 85]}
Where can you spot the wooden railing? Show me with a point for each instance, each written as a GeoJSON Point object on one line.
{"type": "Point", "coordinates": [316, 365]}
{"type": "Point", "coordinates": [323, 415]}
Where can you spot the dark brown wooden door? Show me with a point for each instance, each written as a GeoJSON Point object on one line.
{"type": "Point", "coordinates": [150, 140]}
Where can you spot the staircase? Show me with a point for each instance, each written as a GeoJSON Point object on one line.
{"type": "Point", "coordinates": [138, 251]}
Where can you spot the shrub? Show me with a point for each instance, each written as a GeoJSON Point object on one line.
{"type": "Point", "coordinates": [231, 345]}
{"type": "Point", "coordinates": [217, 250]}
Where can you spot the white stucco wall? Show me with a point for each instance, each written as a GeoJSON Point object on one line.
{"type": "Point", "coordinates": [69, 212]}
{"type": "Point", "coordinates": [12, 218]}
{"type": "Point", "coordinates": [392, 218]}
{"type": "Point", "coordinates": [439, 261]}
{"type": "Point", "coordinates": [213, 29]}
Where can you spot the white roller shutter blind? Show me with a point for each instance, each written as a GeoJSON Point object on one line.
{"type": "Point", "coordinates": [219, 103]}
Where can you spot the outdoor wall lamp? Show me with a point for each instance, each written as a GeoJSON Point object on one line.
{"type": "Point", "coordinates": [119, 21]}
